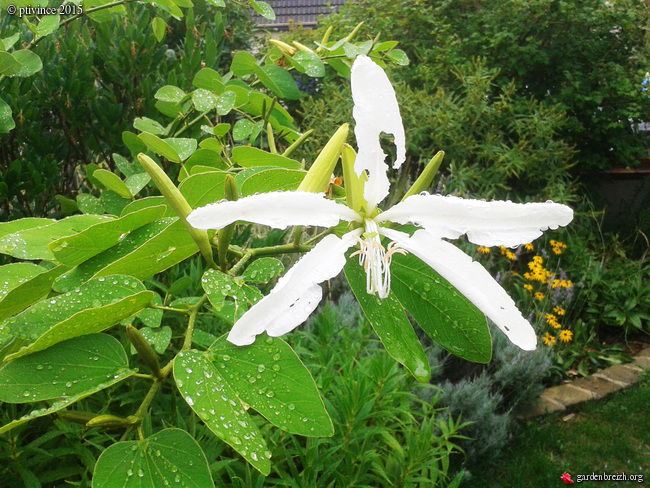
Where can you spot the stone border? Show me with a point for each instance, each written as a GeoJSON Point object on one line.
{"type": "Point", "coordinates": [594, 387]}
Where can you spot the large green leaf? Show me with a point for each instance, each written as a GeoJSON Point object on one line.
{"type": "Point", "coordinates": [391, 324]}
{"type": "Point", "coordinates": [78, 248]}
{"type": "Point", "coordinates": [32, 243]}
{"type": "Point", "coordinates": [272, 179]}
{"type": "Point", "coordinates": [29, 291]}
{"type": "Point", "coordinates": [91, 308]}
{"type": "Point", "coordinates": [243, 64]}
{"type": "Point", "coordinates": [219, 286]}
{"type": "Point", "coordinates": [112, 182]}
{"type": "Point", "coordinates": [263, 8]}
{"type": "Point", "coordinates": [67, 369]}
{"type": "Point", "coordinates": [248, 157]}
{"type": "Point", "coordinates": [170, 457]}
{"type": "Point", "coordinates": [29, 61]}
{"type": "Point", "coordinates": [13, 226]}
{"type": "Point", "coordinates": [203, 100]}
{"type": "Point", "coordinates": [13, 275]}
{"type": "Point", "coordinates": [211, 397]}
{"type": "Point", "coordinates": [8, 64]}
{"type": "Point", "coordinates": [263, 270]}
{"type": "Point", "coordinates": [226, 102]}
{"type": "Point", "coordinates": [440, 310]}
{"type": "Point", "coordinates": [269, 376]}
{"type": "Point", "coordinates": [146, 251]}
{"type": "Point", "coordinates": [47, 25]}
{"type": "Point", "coordinates": [310, 63]}
{"type": "Point", "coordinates": [183, 146]}
{"type": "Point", "coordinates": [209, 79]}
{"type": "Point", "coordinates": [148, 202]}
{"type": "Point", "coordinates": [170, 93]}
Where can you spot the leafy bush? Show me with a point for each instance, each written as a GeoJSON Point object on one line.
{"type": "Point", "coordinates": [587, 57]}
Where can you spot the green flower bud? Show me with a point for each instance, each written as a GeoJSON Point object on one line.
{"type": "Point", "coordinates": [76, 416]}
{"type": "Point", "coordinates": [318, 177]}
{"type": "Point", "coordinates": [177, 201]}
{"type": "Point", "coordinates": [109, 422]}
{"type": "Point", "coordinates": [426, 177]}
{"type": "Point", "coordinates": [224, 236]}
{"type": "Point", "coordinates": [354, 184]}
{"type": "Point", "coordinates": [144, 350]}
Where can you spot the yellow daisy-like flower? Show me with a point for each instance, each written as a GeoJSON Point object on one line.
{"type": "Point", "coordinates": [503, 249]}
{"type": "Point", "coordinates": [483, 250]}
{"type": "Point", "coordinates": [557, 250]}
{"type": "Point", "coordinates": [559, 310]}
{"type": "Point", "coordinates": [548, 339]}
{"type": "Point", "coordinates": [528, 288]}
{"type": "Point", "coordinates": [566, 335]}
{"type": "Point", "coordinates": [510, 255]}
{"type": "Point", "coordinates": [529, 247]}
{"type": "Point", "coordinates": [539, 295]}
{"type": "Point", "coordinates": [552, 321]}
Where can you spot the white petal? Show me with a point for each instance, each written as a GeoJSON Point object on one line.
{"type": "Point", "coordinates": [472, 280]}
{"type": "Point", "coordinates": [297, 293]}
{"type": "Point", "coordinates": [497, 223]}
{"type": "Point", "coordinates": [375, 111]}
{"type": "Point", "coordinates": [276, 209]}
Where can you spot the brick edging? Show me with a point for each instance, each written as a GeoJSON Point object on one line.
{"type": "Point", "coordinates": [594, 387]}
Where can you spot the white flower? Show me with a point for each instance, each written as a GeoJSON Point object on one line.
{"type": "Point", "coordinates": [298, 293]}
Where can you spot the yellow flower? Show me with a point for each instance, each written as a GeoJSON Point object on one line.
{"type": "Point", "coordinates": [566, 335]}
{"type": "Point", "coordinates": [483, 250]}
{"type": "Point", "coordinates": [548, 339]}
{"type": "Point", "coordinates": [552, 321]}
{"type": "Point", "coordinates": [529, 288]}
{"type": "Point", "coordinates": [559, 310]}
{"type": "Point", "coordinates": [557, 250]}
{"type": "Point", "coordinates": [503, 250]}
{"type": "Point", "coordinates": [539, 295]}
{"type": "Point", "coordinates": [529, 247]}
{"type": "Point", "coordinates": [510, 255]}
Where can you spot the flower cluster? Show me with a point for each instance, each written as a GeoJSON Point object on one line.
{"type": "Point", "coordinates": [558, 246]}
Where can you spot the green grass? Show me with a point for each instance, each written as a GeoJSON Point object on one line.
{"type": "Point", "coordinates": [611, 436]}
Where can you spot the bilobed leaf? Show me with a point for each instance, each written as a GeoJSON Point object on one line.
{"type": "Point", "coordinates": [226, 102]}
{"type": "Point", "coordinates": [155, 238]}
{"type": "Point", "coordinates": [272, 180]}
{"type": "Point", "coordinates": [391, 324]}
{"type": "Point", "coordinates": [170, 457]}
{"type": "Point", "coordinates": [440, 310]}
{"type": "Point", "coordinates": [205, 157]}
{"type": "Point", "coordinates": [32, 243]}
{"type": "Point", "coordinates": [78, 248]}
{"type": "Point", "coordinates": [159, 28]}
{"type": "Point", "coordinates": [158, 339]}
{"type": "Point", "coordinates": [89, 204]}
{"type": "Point", "coordinates": [29, 61]}
{"type": "Point", "coordinates": [28, 291]}
{"type": "Point", "coordinates": [243, 64]}
{"type": "Point", "coordinates": [279, 81]}
{"type": "Point", "coordinates": [184, 147]}
{"type": "Point", "coordinates": [311, 63]}
{"type": "Point", "coordinates": [203, 188]}
{"type": "Point", "coordinates": [208, 79]}
{"type": "Point", "coordinates": [93, 307]}
{"type": "Point", "coordinates": [263, 270]}
{"type": "Point", "coordinates": [160, 147]}
{"type": "Point", "coordinates": [70, 368]}
{"type": "Point", "coordinates": [170, 93]}
{"type": "Point", "coordinates": [269, 376]}
{"type": "Point", "coordinates": [137, 182]}
{"type": "Point", "coordinates": [145, 124]}
{"type": "Point", "coordinates": [203, 100]}
{"type": "Point", "coordinates": [206, 391]}
{"type": "Point", "coordinates": [399, 57]}
{"type": "Point", "coordinates": [248, 157]}
{"type": "Point", "coordinates": [263, 8]}
{"type": "Point", "coordinates": [113, 182]}
{"type": "Point", "coordinates": [242, 129]}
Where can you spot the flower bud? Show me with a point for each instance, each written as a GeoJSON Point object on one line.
{"type": "Point", "coordinates": [318, 177]}
{"type": "Point", "coordinates": [301, 47]}
{"type": "Point", "coordinates": [76, 416]}
{"type": "Point", "coordinates": [284, 47]}
{"type": "Point", "coordinates": [144, 350]}
{"type": "Point", "coordinates": [177, 201]}
{"type": "Point", "coordinates": [109, 422]}
{"type": "Point", "coordinates": [354, 184]}
{"type": "Point", "coordinates": [426, 177]}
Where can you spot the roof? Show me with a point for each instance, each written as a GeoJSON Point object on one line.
{"type": "Point", "coordinates": [305, 12]}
